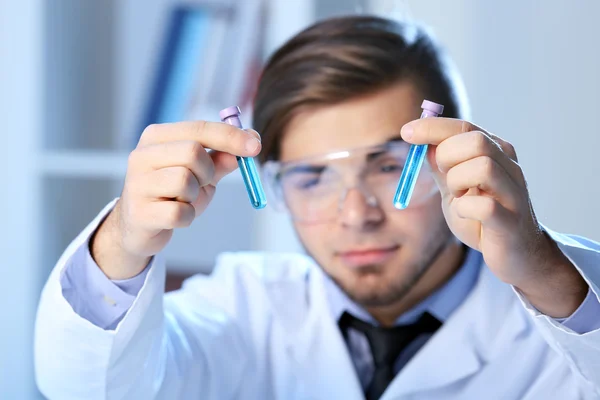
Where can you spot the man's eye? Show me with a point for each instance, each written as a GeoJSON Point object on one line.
{"type": "Point", "coordinates": [390, 168]}
{"type": "Point", "coordinates": [304, 183]}
{"type": "Point", "coordinates": [308, 184]}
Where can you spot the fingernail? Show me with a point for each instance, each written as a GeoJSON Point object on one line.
{"type": "Point", "coordinates": [253, 133]}
{"type": "Point", "coordinates": [407, 131]}
{"type": "Point", "coordinates": [252, 144]}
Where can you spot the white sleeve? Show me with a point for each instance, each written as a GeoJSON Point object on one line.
{"type": "Point", "coordinates": [161, 349]}
{"type": "Point", "coordinates": [581, 350]}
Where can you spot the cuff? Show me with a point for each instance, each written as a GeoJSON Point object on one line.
{"type": "Point", "coordinates": [586, 318]}
{"type": "Point", "coordinates": [92, 295]}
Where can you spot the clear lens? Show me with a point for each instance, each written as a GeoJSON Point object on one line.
{"type": "Point", "coordinates": [313, 189]}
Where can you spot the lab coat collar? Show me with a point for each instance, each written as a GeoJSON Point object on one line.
{"type": "Point", "coordinates": [473, 336]}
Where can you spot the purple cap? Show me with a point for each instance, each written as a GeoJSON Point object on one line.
{"type": "Point", "coordinates": [232, 111]}
{"type": "Point", "coordinates": [432, 107]}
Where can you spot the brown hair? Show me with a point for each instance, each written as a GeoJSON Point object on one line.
{"type": "Point", "coordinates": [346, 57]}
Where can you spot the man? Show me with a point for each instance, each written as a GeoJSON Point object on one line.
{"type": "Point", "coordinates": [470, 300]}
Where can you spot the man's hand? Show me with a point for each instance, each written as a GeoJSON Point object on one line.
{"type": "Point", "coordinates": [487, 206]}
{"type": "Point", "coordinates": [171, 179]}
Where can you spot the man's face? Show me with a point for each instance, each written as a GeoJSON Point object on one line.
{"type": "Point", "coordinates": [374, 253]}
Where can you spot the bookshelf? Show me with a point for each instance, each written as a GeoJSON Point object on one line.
{"type": "Point", "coordinates": [84, 159]}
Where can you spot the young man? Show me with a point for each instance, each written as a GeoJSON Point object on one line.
{"type": "Point", "coordinates": [470, 300]}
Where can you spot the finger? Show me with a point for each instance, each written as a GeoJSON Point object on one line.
{"type": "Point", "coordinates": [172, 183]}
{"type": "Point", "coordinates": [435, 130]}
{"type": "Point", "coordinates": [506, 147]}
{"type": "Point", "coordinates": [484, 174]}
{"type": "Point", "coordinates": [470, 145]}
{"type": "Point", "coordinates": [486, 210]}
{"type": "Point", "coordinates": [212, 135]}
{"type": "Point", "coordinates": [189, 154]}
{"type": "Point", "coordinates": [168, 215]}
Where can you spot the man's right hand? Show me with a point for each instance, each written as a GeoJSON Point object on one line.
{"type": "Point", "coordinates": [170, 180]}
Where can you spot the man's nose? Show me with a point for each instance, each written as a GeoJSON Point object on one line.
{"type": "Point", "coordinates": [359, 208]}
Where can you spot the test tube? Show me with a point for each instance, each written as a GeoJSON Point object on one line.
{"type": "Point", "coordinates": [256, 193]}
{"type": "Point", "coordinates": [414, 161]}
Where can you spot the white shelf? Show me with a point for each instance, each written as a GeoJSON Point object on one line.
{"type": "Point", "coordinates": [92, 164]}
{"type": "Point", "coordinates": [84, 164]}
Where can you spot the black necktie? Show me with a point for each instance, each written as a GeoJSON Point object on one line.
{"type": "Point", "coordinates": [386, 345]}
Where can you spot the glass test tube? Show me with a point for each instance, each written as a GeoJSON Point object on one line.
{"type": "Point", "coordinates": [414, 161]}
{"type": "Point", "coordinates": [256, 193]}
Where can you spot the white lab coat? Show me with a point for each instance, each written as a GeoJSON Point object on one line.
{"type": "Point", "coordinates": [260, 328]}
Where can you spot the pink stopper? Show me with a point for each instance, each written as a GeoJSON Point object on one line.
{"type": "Point", "coordinates": [432, 107]}
{"type": "Point", "coordinates": [233, 111]}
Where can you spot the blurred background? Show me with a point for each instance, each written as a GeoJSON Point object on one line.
{"type": "Point", "coordinates": [80, 78]}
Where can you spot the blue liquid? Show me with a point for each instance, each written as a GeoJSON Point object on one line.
{"type": "Point", "coordinates": [410, 173]}
{"type": "Point", "coordinates": [251, 178]}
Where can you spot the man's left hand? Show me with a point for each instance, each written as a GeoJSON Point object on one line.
{"type": "Point", "coordinates": [487, 206]}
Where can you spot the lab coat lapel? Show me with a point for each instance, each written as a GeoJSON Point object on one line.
{"type": "Point", "coordinates": [325, 369]}
{"type": "Point", "coordinates": [480, 329]}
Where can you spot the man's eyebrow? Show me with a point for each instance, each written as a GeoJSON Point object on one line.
{"type": "Point", "coordinates": [374, 155]}
{"type": "Point", "coordinates": [394, 139]}
{"type": "Point", "coordinates": [306, 169]}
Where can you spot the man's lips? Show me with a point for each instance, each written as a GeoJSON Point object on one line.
{"type": "Point", "coordinates": [359, 258]}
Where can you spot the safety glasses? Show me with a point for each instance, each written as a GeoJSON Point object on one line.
{"type": "Point", "coordinates": [314, 189]}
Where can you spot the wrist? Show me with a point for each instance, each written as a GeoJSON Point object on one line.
{"type": "Point", "coordinates": [555, 288]}
{"type": "Point", "coordinates": [108, 250]}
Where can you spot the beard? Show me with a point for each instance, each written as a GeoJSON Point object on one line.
{"type": "Point", "coordinates": [390, 291]}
